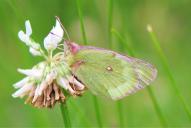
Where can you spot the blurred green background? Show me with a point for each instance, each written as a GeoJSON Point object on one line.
{"type": "Point", "coordinates": [171, 21]}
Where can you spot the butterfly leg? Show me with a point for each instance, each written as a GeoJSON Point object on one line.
{"type": "Point", "coordinates": [78, 84]}
{"type": "Point", "coordinates": [75, 87]}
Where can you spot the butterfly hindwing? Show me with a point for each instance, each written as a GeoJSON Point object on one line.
{"type": "Point", "coordinates": [110, 74]}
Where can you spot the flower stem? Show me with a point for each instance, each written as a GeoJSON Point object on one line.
{"type": "Point", "coordinates": [43, 54]}
{"type": "Point", "coordinates": [65, 115]}
{"type": "Point", "coordinates": [151, 94]}
{"type": "Point", "coordinates": [96, 106]}
{"type": "Point", "coordinates": [166, 66]}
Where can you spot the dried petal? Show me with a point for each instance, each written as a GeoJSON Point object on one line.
{"type": "Point", "coordinates": [56, 93]}
{"type": "Point", "coordinates": [42, 86]}
{"type": "Point", "coordinates": [62, 97]}
{"type": "Point", "coordinates": [31, 95]}
{"type": "Point", "coordinates": [36, 94]}
{"type": "Point", "coordinates": [49, 90]}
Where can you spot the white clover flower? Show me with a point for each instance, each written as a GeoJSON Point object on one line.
{"type": "Point", "coordinates": [55, 36]}
{"type": "Point", "coordinates": [44, 83]}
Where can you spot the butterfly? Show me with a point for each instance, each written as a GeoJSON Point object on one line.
{"type": "Point", "coordinates": [108, 73]}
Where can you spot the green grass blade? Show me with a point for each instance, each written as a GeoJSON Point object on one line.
{"type": "Point", "coordinates": [96, 105]}
{"type": "Point", "coordinates": [80, 113]}
{"type": "Point", "coordinates": [120, 113]}
{"type": "Point", "coordinates": [65, 115]}
{"type": "Point", "coordinates": [97, 112]}
{"type": "Point", "coordinates": [156, 106]}
{"type": "Point", "coordinates": [81, 21]}
{"type": "Point", "coordinates": [153, 99]}
{"type": "Point", "coordinates": [123, 41]}
{"type": "Point", "coordinates": [110, 22]}
{"type": "Point", "coordinates": [165, 64]}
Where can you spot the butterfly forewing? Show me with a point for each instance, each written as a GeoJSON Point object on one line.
{"type": "Point", "coordinates": [110, 74]}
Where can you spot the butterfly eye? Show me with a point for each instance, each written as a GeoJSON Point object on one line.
{"type": "Point", "coordinates": [109, 68]}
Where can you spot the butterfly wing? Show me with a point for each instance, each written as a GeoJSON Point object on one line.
{"type": "Point", "coordinates": [110, 74]}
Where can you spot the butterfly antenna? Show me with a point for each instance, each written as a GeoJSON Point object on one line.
{"type": "Point", "coordinates": [63, 27]}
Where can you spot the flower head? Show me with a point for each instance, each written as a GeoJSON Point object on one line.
{"type": "Point", "coordinates": [44, 83]}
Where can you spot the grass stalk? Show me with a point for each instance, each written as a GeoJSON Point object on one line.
{"type": "Point", "coordinates": [80, 112]}
{"type": "Point", "coordinates": [151, 95]}
{"type": "Point", "coordinates": [157, 108]}
{"type": "Point", "coordinates": [165, 64]}
{"type": "Point", "coordinates": [95, 101]}
{"type": "Point", "coordinates": [97, 111]}
{"type": "Point", "coordinates": [120, 111]}
{"type": "Point", "coordinates": [81, 22]}
{"type": "Point", "coordinates": [110, 22]}
{"type": "Point", "coordinates": [65, 115]}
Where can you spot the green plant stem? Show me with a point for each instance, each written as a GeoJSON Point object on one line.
{"type": "Point", "coordinates": [13, 6]}
{"type": "Point", "coordinates": [97, 111]}
{"type": "Point", "coordinates": [96, 105]}
{"type": "Point", "coordinates": [80, 112]}
{"type": "Point", "coordinates": [124, 42]}
{"type": "Point", "coordinates": [81, 21]}
{"type": "Point", "coordinates": [65, 115]}
{"type": "Point", "coordinates": [156, 106]}
{"type": "Point", "coordinates": [153, 98]}
{"type": "Point", "coordinates": [110, 21]}
{"type": "Point", "coordinates": [165, 64]}
{"type": "Point", "coordinates": [120, 111]}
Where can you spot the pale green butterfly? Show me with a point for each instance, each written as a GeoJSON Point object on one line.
{"type": "Point", "coordinates": [108, 73]}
